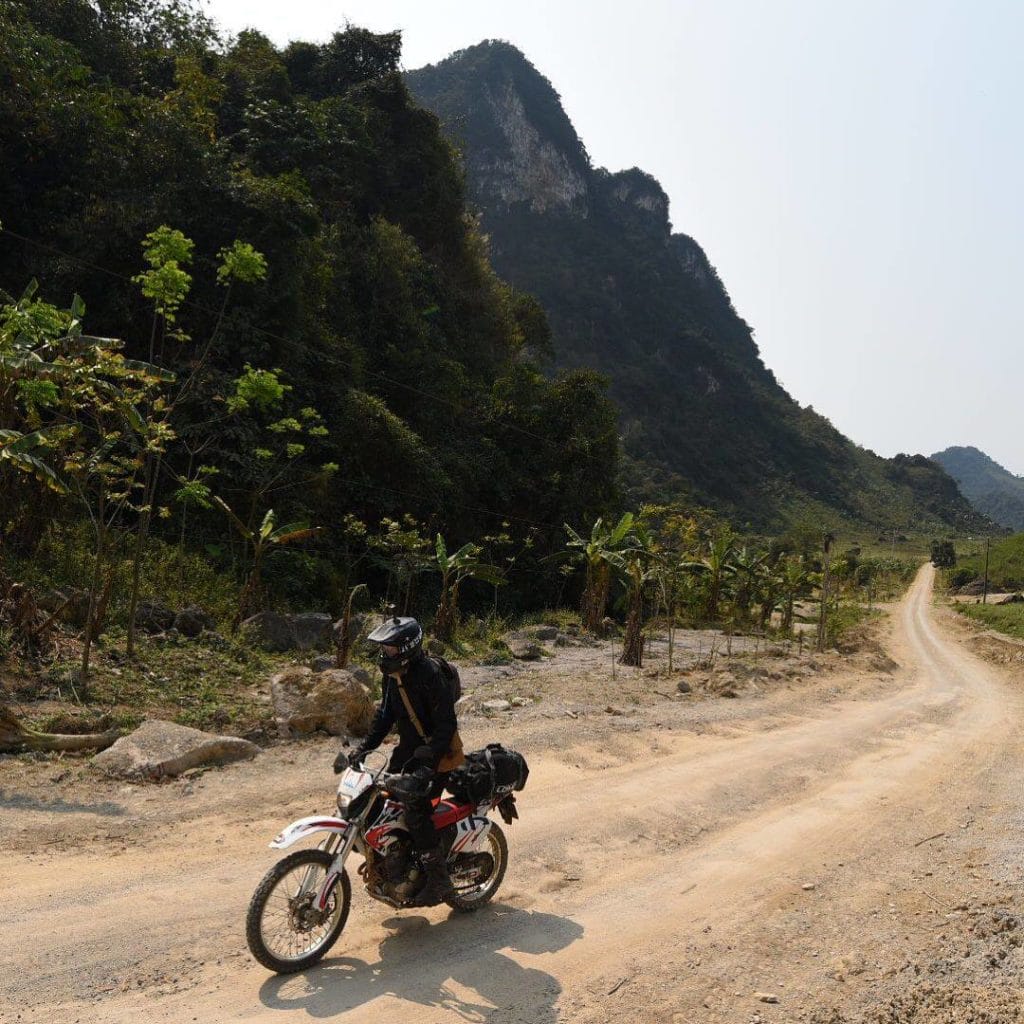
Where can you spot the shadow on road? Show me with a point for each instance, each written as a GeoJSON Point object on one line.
{"type": "Point", "coordinates": [19, 802]}
{"type": "Point", "coordinates": [453, 964]}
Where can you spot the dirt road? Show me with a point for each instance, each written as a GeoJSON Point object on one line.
{"type": "Point", "coordinates": [679, 864]}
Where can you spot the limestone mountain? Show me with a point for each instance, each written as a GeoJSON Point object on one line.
{"type": "Point", "coordinates": [991, 488]}
{"type": "Point", "coordinates": [700, 413]}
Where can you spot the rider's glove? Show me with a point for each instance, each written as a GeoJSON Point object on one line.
{"type": "Point", "coordinates": [348, 760]}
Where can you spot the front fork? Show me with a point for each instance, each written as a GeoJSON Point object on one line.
{"type": "Point", "coordinates": [341, 847]}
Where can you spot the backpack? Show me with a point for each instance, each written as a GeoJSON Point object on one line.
{"type": "Point", "coordinates": [450, 674]}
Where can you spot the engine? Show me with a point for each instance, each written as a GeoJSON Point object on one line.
{"type": "Point", "coordinates": [396, 876]}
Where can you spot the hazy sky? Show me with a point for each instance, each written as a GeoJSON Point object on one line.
{"type": "Point", "coordinates": [854, 170]}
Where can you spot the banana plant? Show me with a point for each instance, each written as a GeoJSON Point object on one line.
{"type": "Point", "coordinates": [455, 569]}
{"type": "Point", "coordinates": [595, 552]}
{"type": "Point", "coordinates": [261, 540]}
{"type": "Point", "coordinates": [637, 567]}
{"type": "Point", "coordinates": [796, 581]}
{"type": "Point", "coordinates": [716, 568]}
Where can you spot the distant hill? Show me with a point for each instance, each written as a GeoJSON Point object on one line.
{"type": "Point", "coordinates": [700, 413]}
{"type": "Point", "coordinates": [990, 488]}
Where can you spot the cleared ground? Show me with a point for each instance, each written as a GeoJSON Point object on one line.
{"type": "Point", "coordinates": [849, 848]}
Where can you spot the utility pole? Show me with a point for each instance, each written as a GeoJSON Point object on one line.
{"type": "Point", "coordinates": [984, 596]}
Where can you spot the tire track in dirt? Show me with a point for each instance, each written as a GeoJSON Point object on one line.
{"type": "Point", "coordinates": [617, 872]}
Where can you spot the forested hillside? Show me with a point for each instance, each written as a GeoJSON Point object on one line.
{"type": "Point", "coordinates": [284, 232]}
{"type": "Point", "coordinates": [700, 412]}
{"type": "Point", "coordinates": [993, 490]}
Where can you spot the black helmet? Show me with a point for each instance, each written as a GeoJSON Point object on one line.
{"type": "Point", "coordinates": [404, 633]}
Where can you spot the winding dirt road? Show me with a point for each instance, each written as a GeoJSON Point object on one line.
{"type": "Point", "coordinates": [666, 867]}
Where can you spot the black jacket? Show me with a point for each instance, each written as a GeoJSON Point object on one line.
{"type": "Point", "coordinates": [431, 699]}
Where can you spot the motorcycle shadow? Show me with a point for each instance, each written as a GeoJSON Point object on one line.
{"type": "Point", "coordinates": [457, 964]}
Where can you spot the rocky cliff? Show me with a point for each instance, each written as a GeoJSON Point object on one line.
{"type": "Point", "coordinates": [628, 296]}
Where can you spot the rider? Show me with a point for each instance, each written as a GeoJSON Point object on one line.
{"type": "Point", "coordinates": [417, 701]}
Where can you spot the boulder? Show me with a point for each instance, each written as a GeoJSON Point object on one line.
{"type": "Point", "coordinates": [192, 621]}
{"type": "Point", "coordinates": [561, 640]}
{"type": "Point", "coordinates": [545, 633]}
{"type": "Point", "coordinates": [76, 611]}
{"type": "Point", "coordinates": [335, 702]}
{"type": "Point", "coordinates": [51, 600]}
{"type": "Point", "coordinates": [524, 649]}
{"type": "Point", "coordinates": [683, 687]}
{"type": "Point", "coordinates": [1013, 599]}
{"type": "Point", "coordinates": [159, 749]}
{"type": "Point", "coordinates": [323, 663]}
{"type": "Point", "coordinates": [356, 626]}
{"type": "Point", "coordinates": [313, 631]}
{"type": "Point", "coordinates": [496, 706]}
{"type": "Point", "coordinates": [154, 617]}
{"type": "Point", "coordinates": [270, 630]}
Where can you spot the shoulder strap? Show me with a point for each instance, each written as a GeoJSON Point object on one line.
{"type": "Point", "coordinates": [408, 707]}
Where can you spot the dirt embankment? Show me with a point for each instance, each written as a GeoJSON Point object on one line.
{"type": "Point", "coordinates": [825, 846]}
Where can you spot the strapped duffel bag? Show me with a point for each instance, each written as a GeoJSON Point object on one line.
{"type": "Point", "coordinates": [488, 774]}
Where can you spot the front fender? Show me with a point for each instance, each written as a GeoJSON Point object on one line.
{"type": "Point", "coordinates": [306, 827]}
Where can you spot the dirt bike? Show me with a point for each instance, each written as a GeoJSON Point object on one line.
{"type": "Point", "coordinates": [299, 909]}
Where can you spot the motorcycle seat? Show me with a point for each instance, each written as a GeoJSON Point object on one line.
{"type": "Point", "coordinates": [448, 812]}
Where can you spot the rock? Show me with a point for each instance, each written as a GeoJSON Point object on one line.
{"type": "Point", "coordinates": [192, 621]}
{"type": "Point", "coordinates": [159, 749]}
{"type": "Point", "coordinates": [436, 647]}
{"type": "Point", "coordinates": [562, 640]}
{"type": "Point", "coordinates": [323, 663]}
{"type": "Point", "coordinates": [611, 710]}
{"type": "Point", "coordinates": [214, 639]}
{"type": "Point", "coordinates": [51, 600]}
{"type": "Point", "coordinates": [77, 609]}
{"type": "Point", "coordinates": [270, 630]}
{"type": "Point", "coordinates": [521, 702]}
{"type": "Point", "coordinates": [1013, 599]}
{"type": "Point", "coordinates": [523, 647]}
{"type": "Point", "coordinates": [807, 887]}
{"type": "Point", "coordinates": [335, 702]}
{"type": "Point", "coordinates": [729, 693]}
{"type": "Point", "coordinates": [496, 706]}
{"type": "Point", "coordinates": [684, 687]}
{"type": "Point", "coordinates": [545, 633]}
{"type": "Point", "coordinates": [363, 676]}
{"type": "Point", "coordinates": [154, 617]}
{"type": "Point", "coordinates": [356, 626]}
{"type": "Point", "coordinates": [766, 997]}
{"type": "Point", "coordinates": [313, 631]}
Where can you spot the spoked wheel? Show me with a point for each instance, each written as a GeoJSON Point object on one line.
{"type": "Point", "coordinates": [285, 931]}
{"type": "Point", "coordinates": [476, 876]}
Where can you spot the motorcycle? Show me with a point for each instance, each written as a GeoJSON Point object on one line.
{"type": "Point", "coordinates": [300, 907]}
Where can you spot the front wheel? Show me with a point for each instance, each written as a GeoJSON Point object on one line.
{"type": "Point", "coordinates": [285, 932]}
{"type": "Point", "coordinates": [476, 876]}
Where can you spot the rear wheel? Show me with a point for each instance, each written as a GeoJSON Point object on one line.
{"type": "Point", "coordinates": [285, 932]}
{"type": "Point", "coordinates": [476, 876]}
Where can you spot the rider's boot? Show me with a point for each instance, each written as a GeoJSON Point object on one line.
{"type": "Point", "coordinates": [437, 886]}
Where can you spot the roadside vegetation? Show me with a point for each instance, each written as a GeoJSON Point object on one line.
{"type": "Point", "coordinates": [245, 368]}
